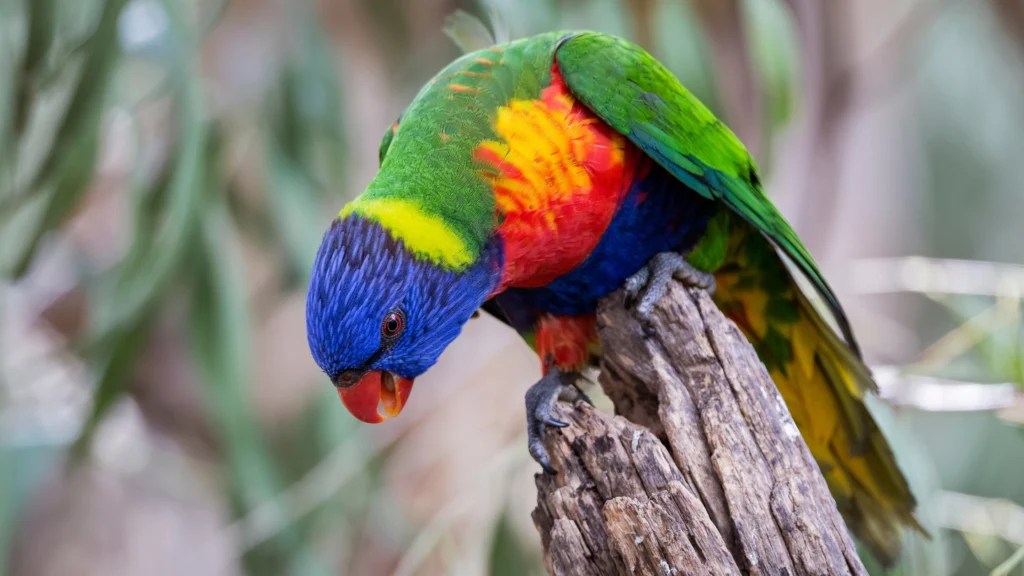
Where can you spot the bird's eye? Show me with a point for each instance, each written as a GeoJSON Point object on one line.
{"type": "Point", "coordinates": [393, 324]}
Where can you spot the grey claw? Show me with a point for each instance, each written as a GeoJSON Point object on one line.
{"type": "Point", "coordinates": [635, 285]}
{"type": "Point", "coordinates": [648, 285]}
{"type": "Point", "coordinates": [540, 404]}
{"type": "Point", "coordinates": [540, 455]}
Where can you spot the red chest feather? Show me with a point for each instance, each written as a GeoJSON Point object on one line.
{"type": "Point", "coordinates": [559, 175]}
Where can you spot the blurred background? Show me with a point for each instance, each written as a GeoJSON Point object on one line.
{"type": "Point", "coordinates": [167, 168]}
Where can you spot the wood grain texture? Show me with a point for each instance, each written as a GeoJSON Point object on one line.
{"type": "Point", "coordinates": [703, 471]}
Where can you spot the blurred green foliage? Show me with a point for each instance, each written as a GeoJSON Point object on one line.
{"type": "Point", "coordinates": [66, 67]}
{"type": "Point", "coordinates": [183, 236]}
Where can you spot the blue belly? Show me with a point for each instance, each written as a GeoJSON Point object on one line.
{"type": "Point", "coordinates": [658, 214]}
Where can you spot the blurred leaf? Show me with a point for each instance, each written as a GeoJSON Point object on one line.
{"type": "Point", "coordinates": [508, 555]}
{"type": "Point", "coordinates": [115, 346]}
{"type": "Point", "coordinates": [125, 300]}
{"type": "Point", "coordinates": [149, 201]}
{"type": "Point", "coordinates": [219, 329]}
{"type": "Point", "coordinates": [986, 338]}
{"type": "Point", "coordinates": [41, 24]}
{"type": "Point", "coordinates": [42, 19]}
{"type": "Point", "coordinates": [391, 27]}
{"type": "Point", "coordinates": [642, 16]}
{"type": "Point", "coordinates": [252, 220]}
{"type": "Point", "coordinates": [987, 548]}
{"type": "Point", "coordinates": [72, 158]}
{"type": "Point", "coordinates": [8, 85]}
{"type": "Point", "coordinates": [17, 224]}
{"type": "Point", "coordinates": [1016, 559]}
{"type": "Point", "coordinates": [680, 44]}
{"type": "Point", "coordinates": [608, 16]}
{"type": "Point", "coordinates": [347, 508]}
{"type": "Point", "coordinates": [150, 265]}
{"type": "Point", "coordinates": [322, 457]}
{"type": "Point", "coordinates": [468, 32]}
{"type": "Point", "coordinates": [219, 340]}
{"type": "Point", "coordinates": [113, 365]}
{"type": "Point", "coordinates": [305, 143]}
{"type": "Point", "coordinates": [7, 505]}
{"type": "Point", "coordinates": [920, 555]}
{"type": "Point", "coordinates": [972, 453]}
{"type": "Point", "coordinates": [876, 569]}
{"type": "Point", "coordinates": [772, 47]}
{"type": "Point", "coordinates": [295, 208]}
{"type": "Point", "coordinates": [306, 120]}
{"type": "Point", "coordinates": [145, 32]}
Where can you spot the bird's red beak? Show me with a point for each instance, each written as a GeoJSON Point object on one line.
{"type": "Point", "coordinates": [377, 396]}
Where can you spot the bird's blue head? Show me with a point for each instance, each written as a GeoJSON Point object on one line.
{"type": "Point", "coordinates": [377, 316]}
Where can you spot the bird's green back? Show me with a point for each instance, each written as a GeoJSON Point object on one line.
{"type": "Point", "coordinates": [640, 98]}
{"type": "Point", "coordinates": [430, 190]}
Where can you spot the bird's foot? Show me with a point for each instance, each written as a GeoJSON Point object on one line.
{"type": "Point", "coordinates": [649, 284]}
{"type": "Point", "coordinates": [556, 385]}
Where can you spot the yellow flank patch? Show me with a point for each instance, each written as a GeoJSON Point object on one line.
{"type": "Point", "coordinates": [426, 235]}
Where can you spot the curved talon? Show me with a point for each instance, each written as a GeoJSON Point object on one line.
{"type": "Point", "coordinates": [540, 455]}
{"type": "Point", "coordinates": [647, 286]}
{"type": "Point", "coordinates": [634, 285]}
{"type": "Point", "coordinates": [540, 405]}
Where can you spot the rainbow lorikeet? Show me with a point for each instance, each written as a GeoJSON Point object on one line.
{"type": "Point", "coordinates": [536, 177]}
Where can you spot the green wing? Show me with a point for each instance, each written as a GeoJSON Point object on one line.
{"type": "Point", "coordinates": [640, 98]}
{"type": "Point", "coordinates": [820, 377]}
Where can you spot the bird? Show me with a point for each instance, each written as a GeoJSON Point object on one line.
{"type": "Point", "coordinates": [533, 178]}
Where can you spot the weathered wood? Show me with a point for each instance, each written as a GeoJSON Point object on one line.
{"type": "Point", "coordinates": [708, 475]}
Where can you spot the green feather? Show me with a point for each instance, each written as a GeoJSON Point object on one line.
{"type": "Point", "coordinates": [428, 160]}
{"type": "Point", "coordinates": [640, 98]}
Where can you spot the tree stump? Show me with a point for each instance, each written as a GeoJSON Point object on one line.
{"type": "Point", "coordinates": [702, 472]}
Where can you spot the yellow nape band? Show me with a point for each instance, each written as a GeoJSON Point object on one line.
{"type": "Point", "coordinates": [426, 235]}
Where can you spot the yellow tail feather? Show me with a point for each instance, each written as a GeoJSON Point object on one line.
{"type": "Point", "coordinates": [822, 382]}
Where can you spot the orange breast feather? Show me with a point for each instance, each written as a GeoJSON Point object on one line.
{"type": "Point", "coordinates": [559, 174]}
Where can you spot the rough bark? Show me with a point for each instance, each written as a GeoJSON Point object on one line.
{"type": "Point", "coordinates": [702, 472]}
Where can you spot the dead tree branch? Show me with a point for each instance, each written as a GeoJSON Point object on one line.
{"type": "Point", "coordinates": [708, 475]}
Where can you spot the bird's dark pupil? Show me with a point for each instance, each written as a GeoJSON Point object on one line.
{"type": "Point", "coordinates": [392, 325]}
